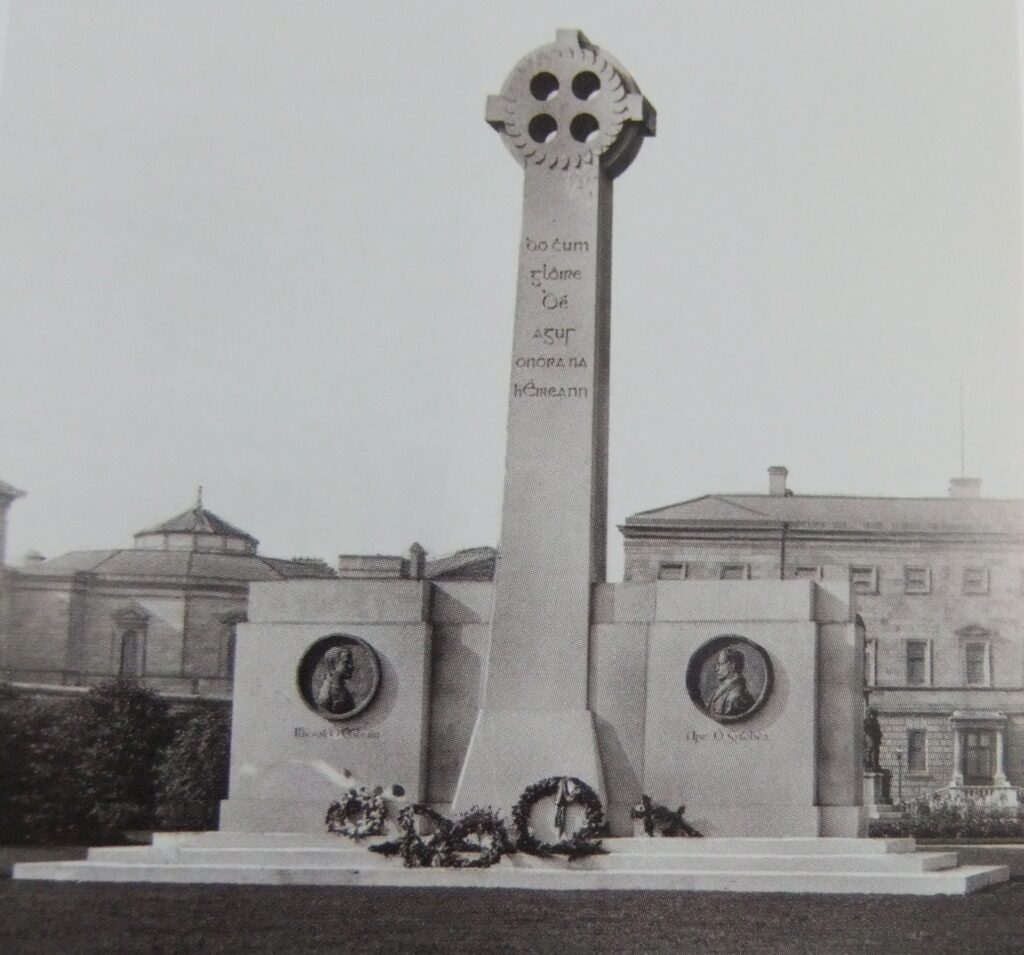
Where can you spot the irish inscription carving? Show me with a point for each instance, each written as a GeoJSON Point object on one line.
{"type": "Point", "coordinates": [338, 676]}
{"type": "Point", "coordinates": [729, 679]}
{"type": "Point", "coordinates": [553, 278]}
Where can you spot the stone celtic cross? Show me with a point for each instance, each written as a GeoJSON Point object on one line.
{"type": "Point", "coordinates": [574, 119]}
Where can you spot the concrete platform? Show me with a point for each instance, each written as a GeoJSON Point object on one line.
{"type": "Point", "coordinates": [834, 866]}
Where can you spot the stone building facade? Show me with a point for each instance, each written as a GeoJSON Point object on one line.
{"type": "Point", "coordinates": [938, 585]}
{"type": "Point", "coordinates": [163, 612]}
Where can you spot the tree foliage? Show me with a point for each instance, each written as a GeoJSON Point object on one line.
{"type": "Point", "coordinates": [192, 776]}
{"type": "Point", "coordinates": [90, 768]}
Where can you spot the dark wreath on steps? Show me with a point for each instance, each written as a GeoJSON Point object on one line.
{"type": "Point", "coordinates": [360, 813]}
{"type": "Point", "coordinates": [476, 840]}
{"type": "Point", "coordinates": [567, 790]}
{"type": "Point", "coordinates": [658, 818]}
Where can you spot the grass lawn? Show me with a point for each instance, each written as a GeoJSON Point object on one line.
{"type": "Point", "coordinates": [38, 917]}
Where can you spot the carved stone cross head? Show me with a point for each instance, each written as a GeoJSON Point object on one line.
{"type": "Point", "coordinates": [570, 104]}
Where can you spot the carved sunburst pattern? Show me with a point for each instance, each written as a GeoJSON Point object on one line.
{"type": "Point", "coordinates": [565, 105]}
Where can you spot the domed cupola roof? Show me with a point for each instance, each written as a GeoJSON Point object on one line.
{"type": "Point", "coordinates": [197, 529]}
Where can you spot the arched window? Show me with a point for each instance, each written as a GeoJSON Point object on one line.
{"type": "Point", "coordinates": [131, 625]}
{"type": "Point", "coordinates": [130, 662]}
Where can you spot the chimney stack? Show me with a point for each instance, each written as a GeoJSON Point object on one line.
{"type": "Point", "coordinates": [777, 480]}
{"type": "Point", "coordinates": [965, 487]}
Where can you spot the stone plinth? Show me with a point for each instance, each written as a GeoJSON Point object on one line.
{"type": "Point", "coordinates": [877, 798]}
{"type": "Point", "coordinates": [836, 866]}
{"type": "Point", "coordinates": [289, 761]}
{"type": "Point", "coordinates": [782, 770]}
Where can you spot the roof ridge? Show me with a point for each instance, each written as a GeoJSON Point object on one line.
{"type": "Point", "coordinates": [742, 507]}
{"type": "Point", "coordinates": [110, 556]}
{"type": "Point", "coordinates": [665, 507]}
{"type": "Point", "coordinates": [875, 497]}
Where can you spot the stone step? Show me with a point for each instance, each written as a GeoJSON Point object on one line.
{"type": "Point", "coordinates": [743, 846]}
{"type": "Point", "coordinates": [786, 846]}
{"type": "Point", "coordinates": [340, 855]}
{"type": "Point", "coordinates": [216, 838]}
{"type": "Point", "coordinates": [956, 881]}
{"type": "Point", "coordinates": [357, 857]}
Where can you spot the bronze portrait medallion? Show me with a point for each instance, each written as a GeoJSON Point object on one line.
{"type": "Point", "coordinates": [729, 678]}
{"type": "Point", "coordinates": [338, 676]}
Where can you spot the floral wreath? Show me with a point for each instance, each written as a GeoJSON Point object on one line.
{"type": "Point", "coordinates": [361, 813]}
{"type": "Point", "coordinates": [480, 823]}
{"type": "Point", "coordinates": [448, 846]}
{"type": "Point", "coordinates": [585, 841]}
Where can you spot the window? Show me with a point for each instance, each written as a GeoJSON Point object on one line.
{"type": "Point", "coordinates": [131, 624]}
{"type": "Point", "coordinates": [669, 571]}
{"type": "Point", "coordinates": [976, 664]}
{"type": "Point", "coordinates": [917, 580]}
{"type": "Point", "coordinates": [807, 573]}
{"type": "Point", "coordinates": [864, 580]}
{"type": "Point", "coordinates": [918, 663]}
{"type": "Point", "coordinates": [130, 664]}
{"type": "Point", "coordinates": [870, 662]}
{"type": "Point", "coordinates": [917, 751]}
{"type": "Point", "coordinates": [734, 571]}
{"type": "Point", "coordinates": [975, 580]}
{"type": "Point", "coordinates": [230, 622]}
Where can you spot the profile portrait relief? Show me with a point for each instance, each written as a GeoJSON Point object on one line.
{"type": "Point", "coordinates": [339, 676]}
{"type": "Point", "coordinates": [729, 678]}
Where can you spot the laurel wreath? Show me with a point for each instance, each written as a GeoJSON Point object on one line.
{"type": "Point", "coordinates": [452, 844]}
{"type": "Point", "coordinates": [359, 814]}
{"type": "Point", "coordinates": [477, 839]}
{"type": "Point", "coordinates": [585, 841]}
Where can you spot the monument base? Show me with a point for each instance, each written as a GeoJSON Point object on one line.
{"type": "Point", "coordinates": [835, 866]}
{"type": "Point", "coordinates": [513, 749]}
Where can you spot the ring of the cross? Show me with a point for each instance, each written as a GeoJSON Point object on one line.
{"type": "Point", "coordinates": [563, 107]}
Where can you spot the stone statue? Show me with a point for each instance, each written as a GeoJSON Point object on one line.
{"type": "Point", "coordinates": [872, 740]}
{"type": "Point", "coordinates": [330, 692]}
{"type": "Point", "coordinates": [731, 697]}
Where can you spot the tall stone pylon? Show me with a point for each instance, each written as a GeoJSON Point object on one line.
{"type": "Point", "coordinates": [574, 119]}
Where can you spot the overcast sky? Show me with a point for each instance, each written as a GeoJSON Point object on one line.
{"type": "Point", "coordinates": [271, 248]}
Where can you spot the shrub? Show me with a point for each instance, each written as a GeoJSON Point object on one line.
{"type": "Point", "coordinates": [86, 769]}
{"type": "Point", "coordinates": [936, 817]}
{"type": "Point", "coordinates": [39, 801]}
{"type": "Point", "coordinates": [122, 728]}
{"type": "Point", "coordinates": [192, 776]}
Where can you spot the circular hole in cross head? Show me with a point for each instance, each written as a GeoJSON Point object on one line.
{"type": "Point", "coordinates": [584, 128]}
{"type": "Point", "coordinates": [543, 128]}
{"type": "Point", "coordinates": [544, 86]}
{"type": "Point", "coordinates": [586, 84]}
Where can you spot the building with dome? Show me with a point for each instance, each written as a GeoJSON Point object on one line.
{"type": "Point", "coordinates": [162, 612]}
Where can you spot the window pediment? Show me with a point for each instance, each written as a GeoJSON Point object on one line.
{"type": "Point", "coordinates": [973, 631]}
{"type": "Point", "coordinates": [132, 616]}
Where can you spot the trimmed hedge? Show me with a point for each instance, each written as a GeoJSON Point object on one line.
{"type": "Point", "coordinates": [938, 818]}
{"type": "Point", "coordinates": [88, 769]}
{"type": "Point", "coordinates": [192, 776]}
